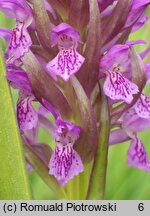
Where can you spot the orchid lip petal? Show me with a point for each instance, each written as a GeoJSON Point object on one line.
{"type": "Point", "coordinates": [65, 163]}
{"type": "Point", "coordinates": [142, 106]}
{"type": "Point", "coordinates": [20, 42]}
{"type": "Point", "coordinates": [26, 115]}
{"type": "Point", "coordinates": [137, 156]}
{"type": "Point", "coordinates": [66, 63]}
{"type": "Point", "coordinates": [117, 87]}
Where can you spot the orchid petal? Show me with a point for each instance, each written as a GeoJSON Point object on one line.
{"type": "Point", "coordinates": [26, 115]}
{"type": "Point", "coordinates": [132, 122]}
{"type": "Point", "coordinates": [17, 9]}
{"type": "Point", "coordinates": [117, 87]}
{"type": "Point", "coordinates": [137, 156]}
{"type": "Point", "coordinates": [20, 42]}
{"type": "Point", "coordinates": [66, 63]}
{"type": "Point", "coordinates": [65, 163]}
{"type": "Point", "coordinates": [140, 23]}
{"type": "Point", "coordinates": [64, 29]}
{"type": "Point", "coordinates": [142, 106]}
{"type": "Point", "coordinates": [18, 78]}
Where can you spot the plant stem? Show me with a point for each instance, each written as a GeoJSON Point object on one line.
{"type": "Point", "coordinates": [97, 182]}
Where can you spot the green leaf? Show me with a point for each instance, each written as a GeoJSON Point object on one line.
{"type": "Point", "coordinates": [97, 182]}
{"type": "Point", "coordinates": [13, 177]}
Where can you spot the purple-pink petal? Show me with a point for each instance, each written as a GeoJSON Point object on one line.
{"type": "Point", "coordinates": [65, 163]}
{"type": "Point", "coordinates": [137, 156]}
{"type": "Point", "coordinates": [64, 29]}
{"type": "Point", "coordinates": [17, 9]}
{"type": "Point", "coordinates": [20, 42]}
{"type": "Point", "coordinates": [65, 126]}
{"type": "Point", "coordinates": [18, 79]}
{"type": "Point", "coordinates": [142, 106]}
{"type": "Point", "coordinates": [117, 87]}
{"type": "Point", "coordinates": [26, 115]}
{"type": "Point", "coordinates": [66, 63]}
{"type": "Point", "coordinates": [132, 122]}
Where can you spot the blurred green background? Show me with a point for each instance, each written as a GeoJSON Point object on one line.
{"type": "Point", "coordinates": [123, 182]}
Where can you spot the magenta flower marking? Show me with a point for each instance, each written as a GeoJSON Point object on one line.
{"type": "Point", "coordinates": [142, 106]}
{"type": "Point", "coordinates": [26, 115]}
{"type": "Point", "coordinates": [68, 61]}
{"type": "Point", "coordinates": [137, 156]}
{"type": "Point", "coordinates": [117, 87]}
{"type": "Point", "coordinates": [20, 41]}
{"type": "Point", "coordinates": [65, 162]}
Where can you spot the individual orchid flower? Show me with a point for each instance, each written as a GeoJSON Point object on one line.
{"type": "Point", "coordinates": [26, 114]}
{"type": "Point", "coordinates": [18, 39]}
{"type": "Point", "coordinates": [116, 85]}
{"type": "Point", "coordinates": [68, 61]}
{"type": "Point", "coordinates": [134, 120]}
{"type": "Point", "coordinates": [65, 163]}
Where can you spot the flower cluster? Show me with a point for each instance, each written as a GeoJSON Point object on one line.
{"type": "Point", "coordinates": [57, 54]}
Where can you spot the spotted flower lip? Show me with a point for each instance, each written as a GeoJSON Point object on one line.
{"type": "Point", "coordinates": [19, 40]}
{"type": "Point", "coordinates": [142, 106]}
{"type": "Point", "coordinates": [137, 156]}
{"type": "Point", "coordinates": [68, 61]}
{"type": "Point", "coordinates": [137, 118]}
{"type": "Point", "coordinates": [65, 162]}
{"type": "Point", "coordinates": [117, 87]}
{"type": "Point", "coordinates": [26, 114]}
